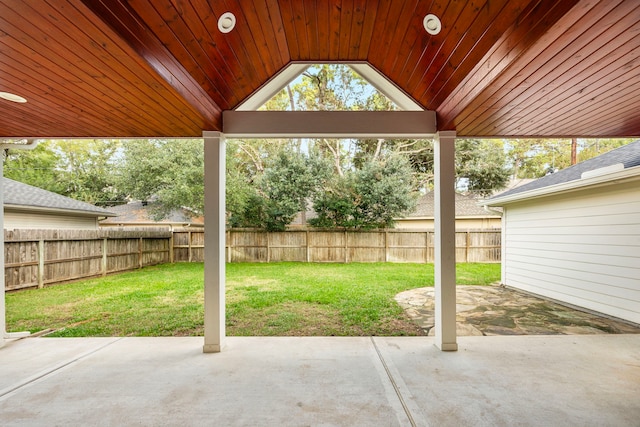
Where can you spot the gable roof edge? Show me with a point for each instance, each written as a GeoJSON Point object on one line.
{"type": "Point", "coordinates": [626, 175]}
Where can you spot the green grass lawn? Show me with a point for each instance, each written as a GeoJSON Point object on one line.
{"type": "Point", "coordinates": [262, 299]}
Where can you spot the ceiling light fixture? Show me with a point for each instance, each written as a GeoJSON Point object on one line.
{"type": "Point", "coordinates": [227, 22]}
{"type": "Point", "coordinates": [12, 97]}
{"type": "Point", "coordinates": [432, 24]}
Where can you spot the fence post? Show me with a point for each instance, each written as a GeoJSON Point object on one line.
{"type": "Point", "coordinates": [468, 243]}
{"type": "Point", "coordinates": [140, 252]}
{"type": "Point", "coordinates": [386, 245]}
{"type": "Point", "coordinates": [426, 247]}
{"type": "Point", "coordinates": [346, 247]}
{"type": "Point", "coordinates": [189, 239]}
{"type": "Point", "coordinates": [104, 256]}
{"type": "Point", "coordinates": [40, 264]}
{"type": "Point", "coordinates": [268, 246]}
{"type": "Point", "coordinates": [229, 236]}
{"type": "Point", "coordinates": [308, 249]}
{"type": "Point", "coordinates": [172, 258]}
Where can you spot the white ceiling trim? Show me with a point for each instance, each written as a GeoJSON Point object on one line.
{"type": "Point", "coordinates": [374, 77]}
{"type": "Point", "coordinates": [272, 87]}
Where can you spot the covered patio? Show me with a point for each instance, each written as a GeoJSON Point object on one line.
{"type": "Point", "coordinates": [356, 381]}
{"type": "Point", "coordinates": [177, 69]}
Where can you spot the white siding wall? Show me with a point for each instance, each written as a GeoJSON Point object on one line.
{"type": "Point", "coordinates": [582, 248]}
{"type": "Point", "coordinates": [14, 220]}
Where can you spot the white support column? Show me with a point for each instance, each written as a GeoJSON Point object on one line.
{"type": "Point", "coordinates": [4, 335]}
{"type": "Point", "coordinates": [445, 241]}
{"type": "Point", "coordinates": [214, 241]}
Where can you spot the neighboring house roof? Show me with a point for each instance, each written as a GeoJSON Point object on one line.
{"type": "Point", "coordinates": [466, 206]}
{"type": "Point", "coordinates": [18, 195]}
{"type": "Point", "coordinates": [612, 165]}
{"type": "Point", "coordinates": [141, 213]}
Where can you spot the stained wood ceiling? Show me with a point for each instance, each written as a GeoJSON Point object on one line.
{"type": "Point", "coordinates": [129, 68]}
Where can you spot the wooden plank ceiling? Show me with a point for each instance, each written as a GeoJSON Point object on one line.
{"type": "Point", "coordinates": [134, 68]}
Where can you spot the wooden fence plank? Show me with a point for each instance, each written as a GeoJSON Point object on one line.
{"type": "Point", "coordinates": [34, 258]}
{"type": "Point", "coordinates": [248, 245]}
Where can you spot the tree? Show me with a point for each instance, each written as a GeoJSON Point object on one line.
{"type": "Point", "coordinates": [334, 87]}
{"type": "Point", "coordinates": [288, 182]}
{"type": "Point", "coordinates": [238, 187]}
{"type": "Point", "coordinates": [81, 169]}
{"type": "Point", "coordinates": [419, 152]}
{"type": "Point", "coordinates": [534, 158]}
{"type": "Point", "coordinates": [90, 170]}
{"type": "Point", "coordinates": [370, 197]}
{"type": "Point", "coordinates": [482, 163]}
{"type": "Point", "coordinates": [589, 148]}
{"type": "Point", "coordinates": [37, 167]}
{"type": "Point", "coordinates": [168, 172]}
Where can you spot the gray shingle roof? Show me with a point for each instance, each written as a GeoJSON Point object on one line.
{"type": "Point", "coordinates": [628, 155]}
{"type": "Point", "coordinates": [24, 195]}
{"type": "Point", "coordinates": [136, 212]}
{"type": "Point", "coordinates": [466, 205]}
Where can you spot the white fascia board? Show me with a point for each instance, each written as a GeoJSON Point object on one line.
{"type": "Point", "coordinates": [28, 144]}
{"type": "Point", "coordinates": [626, 175]}
{"type": "Point", "coordinates": [329, 124]}
{"type": "Point", "coordinates": [272, 87]}
{"type": "Point", "coordinates": [289, 73]}
{"type": "Point", "coordinates": [57, 211]}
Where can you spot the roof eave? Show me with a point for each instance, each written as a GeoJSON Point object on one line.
{"type": "Point", "coordinates": [58, 211]}
{"type": "Point", "coordinates": [626, 175]}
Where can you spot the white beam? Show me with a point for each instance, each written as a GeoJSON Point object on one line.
{"type": "Point", "coordinates": [445, 238]}
{"type": "Point", "coordinates": [329, 124]}
{"type": "Point", "coordinates": [214, 241]}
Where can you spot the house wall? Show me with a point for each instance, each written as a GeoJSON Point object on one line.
{"type": "Point", "coordinates": [21, 220]}
{"type": "Point", "coordinates": [581, 248]}
{"type": "Point", "coordinates": [461, 223]}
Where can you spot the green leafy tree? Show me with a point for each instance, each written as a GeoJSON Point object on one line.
{"type": "Point", "coordinates": [81, 169]}
{"type": "Point", "coordinates": [89, 169]}
{"type": "Point", "coordinates": [288, 182]}
{"type": "Point", "coordinates": [482, 162]}
{"type": "Point", "coordinates": [534, 158]}
{"type": "Point", "coordinates": [238, 187]}
{"type": "Point", "coordinates": [37, 167]}
{"type": "Point", "coordinates": [589, 148]}
{"type": "Point", "coordinates": [370, 197]}
{"type": "Point", "coordinates": [168, 172]}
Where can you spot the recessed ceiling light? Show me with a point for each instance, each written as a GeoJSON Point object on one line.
{"type": "Point", "coordinates": [12, 97]}
{"type": "Point", "coordinates": [432, 24]}
{"type": "Point", "coordinates": [226, 22]}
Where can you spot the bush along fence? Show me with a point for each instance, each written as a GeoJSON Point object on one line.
{"type": "Point", "coordinates": [36, 258]}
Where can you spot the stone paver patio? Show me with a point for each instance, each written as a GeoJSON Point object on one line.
{"type": "Point", "coordinates": [497, 310]}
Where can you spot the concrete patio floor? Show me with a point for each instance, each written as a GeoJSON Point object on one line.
{"type": "Point", "coordinates": [299, 381]}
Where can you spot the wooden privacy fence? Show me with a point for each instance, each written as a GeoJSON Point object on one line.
{"type": "Point", "coordinates": [35, 258]}
{"type": "Point", "coordinates": [356, 246]}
